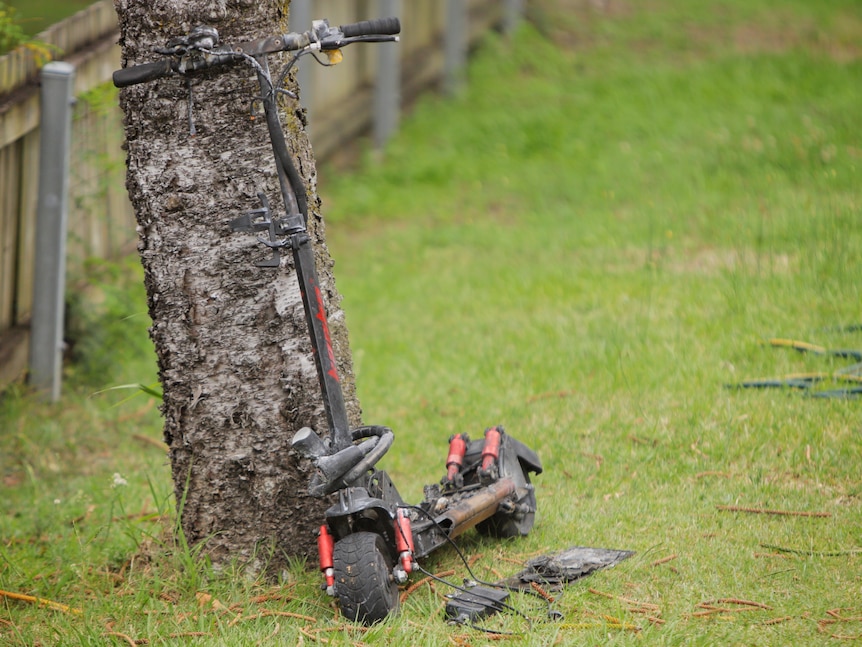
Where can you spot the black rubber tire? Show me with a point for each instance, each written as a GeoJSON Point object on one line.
{"type": "Point", "coordinates": [364, 584]}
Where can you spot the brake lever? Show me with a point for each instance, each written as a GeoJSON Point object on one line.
{"type": "Point", "coordinates": [342, 41]}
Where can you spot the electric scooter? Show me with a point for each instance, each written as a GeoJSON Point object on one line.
{"type": "Point", "coordinates": [370, 540]}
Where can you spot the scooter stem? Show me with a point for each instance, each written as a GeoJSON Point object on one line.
{"type": "Point", "coordinates": [294, 196]}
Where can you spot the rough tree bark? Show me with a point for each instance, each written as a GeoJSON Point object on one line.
{"type": "Point", "coordinates": [234, 359]}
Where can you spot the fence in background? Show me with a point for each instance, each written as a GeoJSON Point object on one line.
{"type": "Point", "coordinates": [100, 219]}
{"type": "Point", "coordinates": [342, 103]}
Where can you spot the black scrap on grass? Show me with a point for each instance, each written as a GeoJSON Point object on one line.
{"type": "Point", "coordinates": [805, 382]}
{"type": "Point", "coordinates": [554, 570]}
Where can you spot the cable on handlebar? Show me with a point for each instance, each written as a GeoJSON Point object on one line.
{"type": "Point", "coordinates": [203, 41]}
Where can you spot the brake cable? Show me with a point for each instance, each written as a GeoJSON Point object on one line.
{"type": "Point", "coordinates": [473, 578]}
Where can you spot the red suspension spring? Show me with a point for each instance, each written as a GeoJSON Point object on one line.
{"type": "Point", "coordinates": [325, 550]}
{"type": "Point", "coordinates": [455, 459]}
{"type": "Point", "coordinates": [404, 540]}
{"type": "Point", "coordinates": [491, 449]}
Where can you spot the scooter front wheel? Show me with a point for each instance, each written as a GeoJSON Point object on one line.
{"type": "Point", "coordinates": [364, 583]}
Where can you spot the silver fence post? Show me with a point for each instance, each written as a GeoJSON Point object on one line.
{"type": "Point", "coordinates": [387, 88]}
{"type": "Point", "coordinates": [300, 20]}
{"type": "Point", "coordinates": [49, 272]}
{"type": "Point", "coordinates": [514, 11]}
{"type": "Point", "coordinates": [456, 45]}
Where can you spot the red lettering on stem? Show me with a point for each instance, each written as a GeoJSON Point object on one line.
{"type": "Point", "coordinates": [321, 316]}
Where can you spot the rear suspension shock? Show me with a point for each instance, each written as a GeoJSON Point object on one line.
{"type": "Point", "coordinates": [455, 460]}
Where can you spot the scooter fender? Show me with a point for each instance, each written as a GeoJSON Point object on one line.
{"type": "Point", "coordinates": [529, 460]}
{"type": "Point", "coordinates": [358, 510]}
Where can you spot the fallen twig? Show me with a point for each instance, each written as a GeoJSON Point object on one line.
{"type": "Point", "coordinates": [745, 603]}
{"type": "Point", "coordinates": [715, 610]}
{"type": "Point", "coordinates": [814, 553]}
{"type": "Point", "coordinates": [51, 604]}
{"type": "Point", "coordinates": [612, 621]}
{"type": "Point", "coordinates": [266, 613]}
{"type": "Point", "coordinates": [425, 580]}
{"type": "Point", "coordinates": [636, 603]}
{"type": "Point", "coordinates": [710, 607]}
{"type": "Point", "coordinates": [271, 597]}
{"type": "Point", "coordinates": [550, 394]}
{"type": "Point", "coordinates": [542, 593]}
{"type": "Point", "coordinates": [189, 634]}
{"type": "Point", "coordinates": [122, 636]}
{"type": "Point", "coordinates": [775, 621]}
{"type": "Point", "coordinates": [664, 560]}
{"type": "Point", "coordinates": [312, 636]}
{"type": "Point", "coordinates": [836, 617]}
{"type": "Point", "coordinates": [791, 513]}
{"type": "Point", "coordinates": [341, 627]}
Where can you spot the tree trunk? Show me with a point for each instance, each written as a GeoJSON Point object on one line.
{"type": "Point", "coordinates": [235, 362]}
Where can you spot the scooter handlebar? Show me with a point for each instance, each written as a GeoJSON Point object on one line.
{"type": "Point", "coordinates": [376, 27]}
{"type": "Point", "coordinates": [365, 30]}
{"type": "Point", "coordinates": [142, 73]}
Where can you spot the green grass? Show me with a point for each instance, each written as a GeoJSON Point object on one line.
{"type": "Point", "coordinates": [586, 246]}
{"type": "Point", "coordinates": [36, 15]}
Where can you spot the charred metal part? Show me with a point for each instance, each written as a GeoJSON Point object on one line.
{"type": "Point", "coordinates": [470, 511]}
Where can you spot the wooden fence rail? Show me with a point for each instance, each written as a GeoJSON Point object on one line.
{"type": "Point", "coordinates": [340, 103]}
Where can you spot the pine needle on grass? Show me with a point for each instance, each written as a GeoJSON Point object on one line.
{"type": "Point", "coordinates": [51, 604]}
{"type": "Point", "coordinates": [814, 553]}
{"type": "Point", "coordinates": [787, 513]}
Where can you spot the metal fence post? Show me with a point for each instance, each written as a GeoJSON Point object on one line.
{"type": "Point", "coordinates": [387, 88]}
{"type": "Point", "coordinates": [514, 11]}
{"type": "Point", "coordinates": [49, 272]}
{"type": "Point", "coordinates": [456, 45]}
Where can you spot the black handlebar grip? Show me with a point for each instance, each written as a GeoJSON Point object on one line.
{"type": "Point", "coordinates": [376, 27]}
{"type": "Point", "coordinates": [142, 73]}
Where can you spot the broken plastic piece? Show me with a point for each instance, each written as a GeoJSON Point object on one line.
{"type": "Point", "coordinates": [469, 606]}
